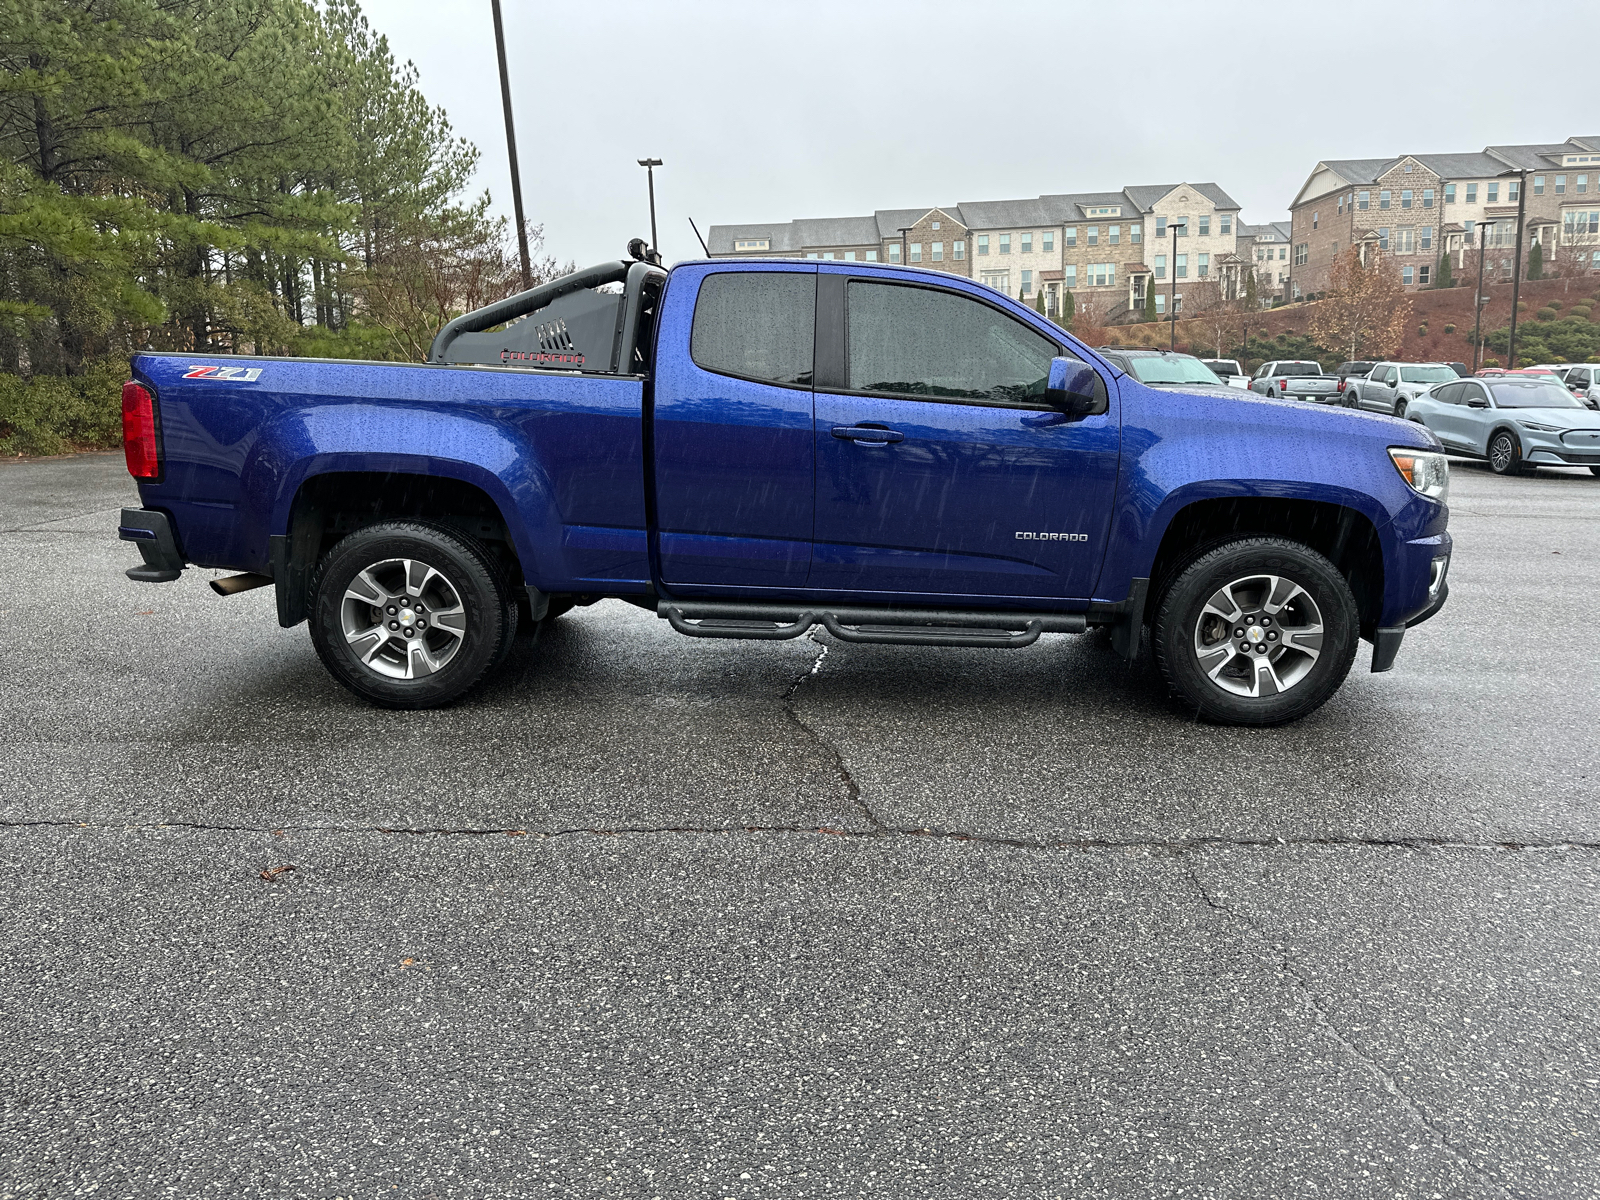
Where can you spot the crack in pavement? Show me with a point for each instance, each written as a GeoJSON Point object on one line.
{"type": "Point", "coordinates": [852, 789]}
{"type": "Point", "coordinates": [1319, 1015]}
{"type": "Point", "coordinates": [881, 832]}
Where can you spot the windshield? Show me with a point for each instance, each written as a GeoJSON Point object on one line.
{"type": "Point", "coordinates": [1299, 368]}
{"type": "Point", "coordinates": [1172, 368]}
{"type": "Point", "coordinates": [1426, 374]}
{"type": "Point", "coordinates": [1532, 393]}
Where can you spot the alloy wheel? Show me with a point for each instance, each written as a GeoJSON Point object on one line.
{"type": "Point", "coordinates": [403, 618]}
{"type": "Point", "coordinates": [1258, 636]}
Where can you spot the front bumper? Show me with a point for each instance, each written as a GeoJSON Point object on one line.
{"type": "Point", "coordinates": [152, 531]}
{"type": "Point", "coordinates": [1386, 640]}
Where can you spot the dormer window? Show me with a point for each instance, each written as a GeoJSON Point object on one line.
{"type": "Point", "coordinates": [750, 244]}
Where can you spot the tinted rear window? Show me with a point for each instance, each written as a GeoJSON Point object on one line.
{"type": "Point", "coordinates": [757, 325]}
{"type": "Point", "coordinates": [1299, 368]}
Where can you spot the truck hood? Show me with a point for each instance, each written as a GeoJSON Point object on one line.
{"type": "Point", "coordinates": [1325, 419]}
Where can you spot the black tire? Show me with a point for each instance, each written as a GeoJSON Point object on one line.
{"type": "Point", "coordinates": [1594, 470]}
{"type": "Point", "coordinates": [1400, 408]}
{"type": "Point", "coordinates": [472, 581]}
{"type": "Point", "coordinates": [1509, 461]}
{"type": "Point", "coordinates": [1182, 607]}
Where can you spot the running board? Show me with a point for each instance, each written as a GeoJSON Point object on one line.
{"type": "Point", "coordinates": [884, 626]}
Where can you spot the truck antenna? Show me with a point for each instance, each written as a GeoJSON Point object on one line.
{"type": "Point", "coordinates": [696, 229]}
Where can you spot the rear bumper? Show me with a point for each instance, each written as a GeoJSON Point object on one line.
{"type": "Point", "coordinates": [152, 531]}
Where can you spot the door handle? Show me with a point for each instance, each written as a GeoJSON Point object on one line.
{"type": "Point", "coordinates": [867, 435]}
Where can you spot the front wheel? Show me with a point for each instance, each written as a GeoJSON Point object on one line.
{"type": "Point", "coordinates": [410, 615]}
{"type": "Point", "coordinates": [1505, 453]}
{"type": "Point", "coordinates": [1259, 631]}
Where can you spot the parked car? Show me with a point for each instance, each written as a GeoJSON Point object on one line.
{"type": "Point", "coordinates": [1229, 371]}
{"type": "Point", "coordinates": [749, 449]}
{"type": "Point", "coordinates": [1514, 422]}
{"type": "Point", "coordinates": [1165, 369]}
{"type": "Point", "coordinates": [1344, 371]}
{"type": "Point", "coordinates": [1583, 381]}
{"type": "Point", "coordinates": [1461, 369]}
{"type": "Point", "coordinates": [1296, 379]}
{"type": "Point", "coordinates": [1391, 386]}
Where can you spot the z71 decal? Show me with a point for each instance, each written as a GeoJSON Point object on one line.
{"type": "Point", "coordinates": [236, 374]}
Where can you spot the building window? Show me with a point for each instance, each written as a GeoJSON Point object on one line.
{"type": "Point", "coordinates": [1161, 303]}
{"type": "Point", "coordinates": [936, 227]}
{"type": "Point", "coordinates": [894, 252]}
{"type": "Point", "coordinates": [1383, 237]}
{"type": "Point", "coordinates": [1449, 193]}
{"type": "Point", "coordinates": [1000, 281]}
{"type": "Point", "coordinates": [1405, 199]}
{"type": "Point", "coordinates": [872, 256]}
{"type": "Point", "coordinates": [1225, 224]}
{"type": "Point", "coordinates": [916, 251]}
{"type": "Point", "coordinates": [1161, 266]}
{"type": "Point", "coordinates": [1425, 238]}
{"type": "Point", "coordinates": [1422, 276]}
{"type": "Point", "coordinates": [1363, 200]}
{"type": "Point", "coordinates": [1511, 189]}
{"type": "Point", "coordinates": [1383, 199]}
{"type": "Point", "coordinates": [1301, 253]}
{"type": "Point", "coordinates": [827, 254]}
{"type": "Point", "coordinates": [1071, 275]}
{"type": "Point", "coordinates": [1338, 207]}
{"type": "Point", "coordinates": [1101, 274]}
{"type": "Point", "coordinates": [1259, 254]}
{"type": "Point", "coordinates": [1027, 282]}
{"type": "Point", "coordinates": [1403, 243]}
{"type": "Point", "coordinates": [811, 256]}
{"type": "Point", "coordinates": [1538, 185]}
{"type": "Point", "coordinates": [983, 244]}
{"type": "Point", "coordinates": [1113, 234]}
{"type": "Point", "coordinates": [958, 250]}
{"type": "Point", "coordinates": [936, 251]}
{"type": "Point", "coordinates": [1092, 235]}
{"type": "Point", "coordinates": [1181, 227]}
{"type": "Point", "coordinates": [1048, 241]}
{"type": "Point", "coordinates": [1283, 253]}
{"type": "Point", "coordinates": [1027, 246]}
{"type": "Point", "coordinates": [1405, 275]}
{"type": "Point", "coordinates": [1581, 184]}
{"type": "Point", "coordinates": [1472, 193]}
{"type": "Point", "coordinates": [849, 256]}
{"type": "Point", "coordinates": [1072, 235]}
{"type": "Point", "coordinates": [1180, 266]}
{"type": "Point", "coordinates": [1005, 243]}
{"type": "Point", "coordinates": [753, 244]}
{"type": "Point", "coordinates": [1561, 185]}
{"type": "Point", "coordinates": [1205, 226]}
{"type": "Point", "coordinates": [1313, 220]}
{"type": "Point", "coordinates": [1467, 226]}
{"type": "Point", "coordinates": [1161, 227]}
{"type": "Point", "coordinates": [1427, 197]}
{"type": "Point", "coordinates": [1203, 267]}
{"type": "Point", "coordinates": [1494, 194]}
{"type": "Point", "coordinates": [1135, 234]}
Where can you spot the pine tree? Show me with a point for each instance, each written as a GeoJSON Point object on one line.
{"type": "Point", "coordinates": [1038, 302]}
{"type": "Point", "coordinates": [1068, 307]}
{"type": "Point", "coordinates": [1150, 298]}
{"type": "Point", "coordinates": [1445, 278]}
{"type": "Point", "coordinates": [1536, 262]}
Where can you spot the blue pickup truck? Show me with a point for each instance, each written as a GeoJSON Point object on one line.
{"type": "Point", "coordinates": [753, 448]}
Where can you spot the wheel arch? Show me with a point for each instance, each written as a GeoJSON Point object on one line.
{"type": "Point", "coordinates": [1345, 536]}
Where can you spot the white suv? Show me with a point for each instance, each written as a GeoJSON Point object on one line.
{"type": "Point", "coordinates": [1391, 386]}
{"type": "Point", "coordinates": [1583, 381]}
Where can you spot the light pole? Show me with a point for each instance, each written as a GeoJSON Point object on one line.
{"type": "Point", "coordinates": [1172, 302]}
{"type": "Point", "coordinates": [904, 229]}
{"type": "Point", "coordinates": [1516, 275]}
{"type": "Point", "coordinates": [1477, 299]}
{"type": "Point", "coordinates": [511, 149]}
{"type": "Point", "coordinates": [650, 165]}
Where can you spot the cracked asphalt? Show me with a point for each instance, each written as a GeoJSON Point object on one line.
{"type": "Point", "coordinates": [659, 917]}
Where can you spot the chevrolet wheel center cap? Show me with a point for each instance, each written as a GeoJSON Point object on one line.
{"type": "Point", "coordinates": [407, 616]}
{"type": "Point", "coordinates": [1255, 633]}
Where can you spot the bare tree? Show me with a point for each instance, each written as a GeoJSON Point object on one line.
{"type": "Point", "coordinates": [1365, 310]}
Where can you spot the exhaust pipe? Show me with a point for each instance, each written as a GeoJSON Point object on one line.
{"type": "Point", "coordinates": [239, 583]}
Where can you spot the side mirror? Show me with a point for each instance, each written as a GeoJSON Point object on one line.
{"type": "Point", "coordinates": [1071, 387]}
{"type": "Point", "coordinates": [1477, 402]}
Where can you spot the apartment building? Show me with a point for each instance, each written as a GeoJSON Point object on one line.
{"type": "Point", "coordinates": [1418, 206]}
{"type": "Point", "coordinates": [1107, 247]}
{"type": "Point", "coordinates": [1265, 250]}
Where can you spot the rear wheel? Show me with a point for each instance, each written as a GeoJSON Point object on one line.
{"type": "Point", "coordinates": [410, 615]}
{"type": "Point", "coordinates": [1505, 453]}
{"type": "Point", "coordinates": [1258, 631]}
{"type": "Point", "coordinates": [1400, 407]}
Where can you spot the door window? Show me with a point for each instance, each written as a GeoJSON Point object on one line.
{"type": "Point", "coordinates": [756, 325]}
{"type": "Point", "coordinates": [1450, 393]}
{"type": "Point", "coordinates": [910, 341]}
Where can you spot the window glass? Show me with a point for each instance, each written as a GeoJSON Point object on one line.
{"type": "Point", "coordinates": [922, 342]}
{"type": "Point", "coordinates": [1450, 393]}
{"type": "Point", "coordinates": [756, 324]}
{"type": "Point", "coordinates": [1426, 374]}
{"type": "Point", "coordinates": [1532, 393]}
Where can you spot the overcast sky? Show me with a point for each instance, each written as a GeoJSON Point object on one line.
{"type": "Point", "coordinates": [773, 109]}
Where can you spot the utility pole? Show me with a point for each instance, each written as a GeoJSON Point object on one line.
{"type": "Point", "coordinates": [904, 229]}
{"type": "Point", "coordinates": [650, 165]}
{"type": "Point", "coordinates": [1477, 299]}
{"type": "Point", "coordinates": [1172, 303]}
{"type": "Point", "coordinates": [1516, 275]}
{"type": "Point", "coordinates": [511, 148]}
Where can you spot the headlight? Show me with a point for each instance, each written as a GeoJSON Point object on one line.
{"type": "Point", "coordinates": [1426, 471]}
{"type": "Point", "coordinates": [1540, 428]}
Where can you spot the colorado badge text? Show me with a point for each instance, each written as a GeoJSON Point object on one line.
{"type": "Point", "coordinates": [1025, 536]}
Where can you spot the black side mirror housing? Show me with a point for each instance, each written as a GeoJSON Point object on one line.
{"type": "Point", "coordinates": [1073, 387]}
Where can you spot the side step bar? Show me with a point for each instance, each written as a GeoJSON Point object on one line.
{"type": "Point", "coordinates": [890, 626]}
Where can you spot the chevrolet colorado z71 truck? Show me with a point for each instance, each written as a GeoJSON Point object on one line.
{"type": "Point", "coordinates": [752, 448]}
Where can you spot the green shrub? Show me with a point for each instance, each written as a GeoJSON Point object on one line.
{"type": "Point", "coordinates": [1522, 306]}
{"type": "Point", "coordinates": [1594, 358]}
{"type": "Point", "coordinates": [1545, 314]}
{"type": "Point", "coordinates": [1422, 331]}
{"type": "Point", "coordinates": [1449, 328]}
{"type": "Point", "coordinates": [1491, 362]}
{"type": "Point", "coordinates": [1552, 304]}
{"type": "Point", "coordinates": [49, 414]}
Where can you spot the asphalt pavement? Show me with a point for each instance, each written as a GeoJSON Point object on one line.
{"type": "Point", "coordinates": [650, 916]}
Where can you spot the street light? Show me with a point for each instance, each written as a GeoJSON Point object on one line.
{"type": "Point", "coordinates": [1172, 303]}
{"type": "Point", "coordinates": [650, 165]}
{"type": "Point", "coordinates": [904, 229]}
{"type": "Point", "coordinates": [1478, 297]}
{"type": "Point", "coordinates": [1516, 273]}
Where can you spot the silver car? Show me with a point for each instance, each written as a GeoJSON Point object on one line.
{"type": "Point", "coordinates": [1515, 422]}
{"type": "Point", "coordinates": [1391, 386]}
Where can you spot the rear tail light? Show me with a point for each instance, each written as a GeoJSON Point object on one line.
{"type": "Point", "coordinates": [1284, 384]}
{"type": "Point", "coordinates": [139, 431]}
{"type": "Point", "coordinates": [1341, 385]}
